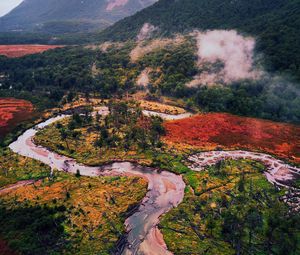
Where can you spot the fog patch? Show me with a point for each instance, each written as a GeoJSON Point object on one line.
{"type": "Point", "coordinates": [282, 98]}
{"type": "Point", "coordinates": [113, 4]}
{"type": "Point", "coordinates": [146, 32]}
{"type": "Point", "coordinates": [224, 56]}
{"type": "Point", "coordinates": [105, 46]}
{"type": "Point", "coordinates": [143, 79]}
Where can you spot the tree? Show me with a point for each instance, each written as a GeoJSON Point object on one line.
{"type": "Point", "coordinates": [64, 136]}
{"type": "Point", "coordinates": [232, 230]}
{"type": "Point", "coordinates": [253, 222]}
{"type": "Point", "coordinates": [77, 173]}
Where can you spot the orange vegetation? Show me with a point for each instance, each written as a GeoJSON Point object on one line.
{"type": "Point", "coordinates": [96, 207]}
{"type": "Point", "coordinates": [12, 112]}
{"type": "Point", "coordinates": [213, 130]}
{"type": "Point", "coordinates": [15, 51]}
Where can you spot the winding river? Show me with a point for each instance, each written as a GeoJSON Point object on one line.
{"type": "Point", "coordinates": [165, 189]}
{"type": "Point", "coordinates": [278, 172]}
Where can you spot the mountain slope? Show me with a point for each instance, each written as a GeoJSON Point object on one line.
{"type": "Point", "coordinates": [69, 15]}
{"type": "Point", "coordinates": [275, 23]}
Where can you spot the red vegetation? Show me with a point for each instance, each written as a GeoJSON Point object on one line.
{"type": "Point", "coordinates": [12, 112]}
{"type": "Point", "coordinates": [214, 130]}
{"type": "Point", "coordinates": [15, 51]}
{"type": "Point", "coordinates": [5, 250]}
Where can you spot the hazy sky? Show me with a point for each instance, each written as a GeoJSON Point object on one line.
{"type": "Point", "coordinates": [7, 5]}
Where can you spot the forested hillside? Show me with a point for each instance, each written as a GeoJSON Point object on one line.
{"type": "Point", "coordinates": [175, 131]}
{"type": "Point", "coordinates": [53, 16]}
{"type": "Point", "coordinates": [275, 24]}
{"type": "Point", "coordinates": [169, 65]}
{"type": "Point", "coordinates": [45, 78]}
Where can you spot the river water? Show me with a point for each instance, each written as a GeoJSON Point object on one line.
{"type": "Point", "coordinates": [165, 189]}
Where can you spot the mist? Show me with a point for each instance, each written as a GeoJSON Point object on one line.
{"type": "Point", "coordinates": [143, 79]}
{"type": "Point", "coordinates": [228, 58]}
{"type": "Point", "coordinates": [144, 48]}
{"type": "Point", "coordinates": [113, 4]}
{"type": "Point", "coordinates": [146, 32]}
{"type": "Point", "coordinates": [224, 56]}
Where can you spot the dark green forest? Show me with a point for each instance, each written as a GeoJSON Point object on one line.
{"type": "Point", "coordinates": [33, 229]}
{"type": "Point", "coordinates": [275, 24]}
{"type": "Point", "coordinates": [10, 38]}
{"type": "Point", "coordinates": [45, 78]}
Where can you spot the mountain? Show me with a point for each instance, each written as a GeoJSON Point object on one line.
{"type": "Point", "coordinates": [61, 16]}
{"type": "Point", "coordinates": [275, 24]}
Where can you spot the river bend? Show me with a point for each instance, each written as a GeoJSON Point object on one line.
{"type": "Point", "coordinates": [165, 189]}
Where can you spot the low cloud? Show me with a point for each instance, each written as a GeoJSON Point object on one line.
{"type": "Point", "coordinates": [146, 32]}
{"type": "Point", "coordinates": [113, 4]}
{"type": "Point", "coordinates": [143, 79]}
{"type": "Point", "coordinates": [224, 56]}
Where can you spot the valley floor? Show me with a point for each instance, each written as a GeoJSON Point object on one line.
{"type": "Point", "coordinates": [228, 205]}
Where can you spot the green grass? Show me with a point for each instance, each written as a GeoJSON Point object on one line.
{"type": "Point", "coordinates": [14, 168]}
{"type": "Point", "coordinates": [228, 208]}
{"type": "Point", "coordinates": [220, 212]}
{"type": "Point", "coordinates": [83, 148]}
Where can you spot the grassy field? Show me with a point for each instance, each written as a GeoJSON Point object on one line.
{"type": "Point", "coordinates": [12, 113]}
{"type": "Point", "coordinates": [65, 214]}
{"type": "Point", "coordinates": [16, 51]}
{"type": "Point", "coordinates": [125, 134]}
{"type": "Point", "coordinates": [14, 168]}
{"type": "Point", "coordinates": [231, 209]}
{"type": "Point", "coordinates": [69, 214]}
{"type": "Point", "coordinates": [83, 148]}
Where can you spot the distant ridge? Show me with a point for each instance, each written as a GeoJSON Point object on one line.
{"type": "Point", "coordinates": [68, 16]}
